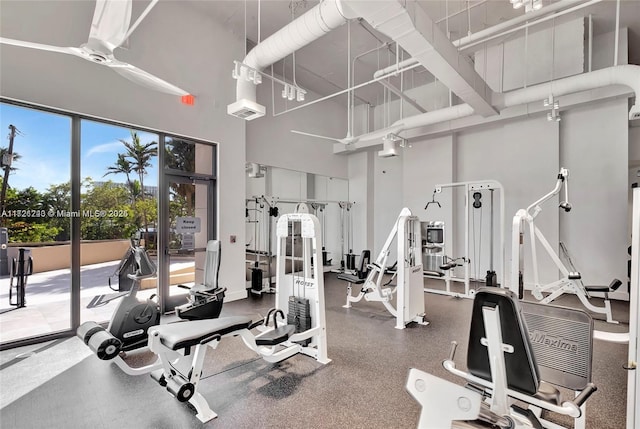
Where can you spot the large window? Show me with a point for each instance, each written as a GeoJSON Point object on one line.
{"type": "Point", "coordinates": [76, 191]}
{"type": "Point", "coordinates": [119, 202]}
{"type": "Point", "coordinates": [35, 252]}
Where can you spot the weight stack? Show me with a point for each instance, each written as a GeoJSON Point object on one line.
{"type": "Point", "coordinates": [256, 279]}
{"type": "Point", "coordinates": [299, 315]}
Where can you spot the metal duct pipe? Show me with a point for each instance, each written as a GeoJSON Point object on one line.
{"type": "Point", "coordinates": [417, 35]}
{"type": "Point", "coordinates": [317, 22]}
{"type": "Point", "coordinates": [528, 17]}
{"type": "Point", "coordinates": [402, 64]}
{"type": "Point", "coordinates": [628, 75]}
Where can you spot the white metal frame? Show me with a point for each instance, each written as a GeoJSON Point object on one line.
{"type": "Point", "coordinates": [410, 297]}
{"type": "Point", "coordinates": [633, 383]}
{"type": "Point", "coordinates": [559, 287]}
{"type": "Point", "coordinates": [444, 402]}
{"type": "Point", "coordinates": [311, 281]}
{"type": "Point", "coordinates": [477, 185]}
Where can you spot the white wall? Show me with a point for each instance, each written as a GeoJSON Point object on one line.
{"type": "Point", "coordinates": [361, 193]}
{"type": "Point", "coordinates": [595, 149]}
{"type": "Point", "coordinates": [271, 142]}
{"type": "Point", "coordinates": [544, 56]}
{"type": "Point", "coordinates": [157, 46]}
{"type": "Point", "coordinates": [427, 163]}
{"type": "Point", "coordinates": [388, 200]}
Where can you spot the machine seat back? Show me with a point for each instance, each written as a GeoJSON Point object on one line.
{"type": "Point", "coordinates": [211, 268]}
{"type": "Point", "coordinates": [365, 259]}
{"type": "Point", "coordinates": [521, 368]}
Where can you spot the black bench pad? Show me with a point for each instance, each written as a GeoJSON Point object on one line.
{"type": "Point", "coordinates": [186, 334]}
{"type": "Point", "coordinates": [614, 285]}
{"type": "Point", "coordinates": [276, 336]}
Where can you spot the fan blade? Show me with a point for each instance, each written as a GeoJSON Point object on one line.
{"type": "Point", "coordinates": [143, 78]}
{"type": "Point", "coordinates": [317, 136]}
{"type": "Point", "coordinates": [39, 46]}
{"type": "Point", "coordinates": [111, 20]}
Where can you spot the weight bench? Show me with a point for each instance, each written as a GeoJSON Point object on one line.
{"type": "Point", "coordinates": [181, 348]}
{"type": "Point", "coordinates": [502, 366]}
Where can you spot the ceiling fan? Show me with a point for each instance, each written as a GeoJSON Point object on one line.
{"type": "Point", "coordinates": [110, 28]}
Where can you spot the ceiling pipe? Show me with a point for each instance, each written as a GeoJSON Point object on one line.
{"type": "Point", "coordinates": [395, 67]}
{"type": "Point", "coordinates": [628, 75]}
{"type": "Point", "coordinates": [525, 26]}
{"type": "Point", "coordinates": [391, 87]}
{"type": "Point", "coordinates": [418, 35]}
{"type": "Point", "coordinates": [312, 25]}
{"type": "Point", "coordinates": [530, 16]}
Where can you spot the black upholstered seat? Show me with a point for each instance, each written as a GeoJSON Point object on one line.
{"type": "Point", "coordinates": [361, 272]}
{"type": "Point", "coordinates": [276, 336]}
{"type": "Point", "coordinates": [186, 334]}
{"type": "Point", "coordinates": [521, 369]}
{"type": "Point", "coordinates": [613, 286]}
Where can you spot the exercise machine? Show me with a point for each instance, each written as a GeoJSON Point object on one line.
{"type": "Point", "coordinates": [205, 299]}
{"type": "Point", "coordinates": [296, 325]}
{"type": "Point", "coordinates": [21, 269]}
{"type": "Point", "coordinates": [131, 320]}
{"type": "Point", "coordinates": [571, 281]}
{"type": "Point", "coordinates": [409, 288]}
{"type": "Point", "coordinates": [473, 191]}
{"type": "Point", "coordinates": [181, 347]}
{"type": "Point", "coordinates": [501, 361]}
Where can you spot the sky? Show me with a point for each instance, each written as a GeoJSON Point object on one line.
{"type": "Point", "coordinates": [44, 144]}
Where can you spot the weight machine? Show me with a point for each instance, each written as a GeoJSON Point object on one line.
{"type": "Point", "coordinates": [264, 209]}
{"type": "Point", "coordinates": [571, 281]}
{"type": "Point", "coordinates": [475, 187]}
{"type": "Point", "coordinates": [297, 323]}
{"type": "Point", "coordinates": [409, 289]}
{"type": "Point", "coordinates": [509, 359]}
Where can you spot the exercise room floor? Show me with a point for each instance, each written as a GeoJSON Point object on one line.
{"type": "Point", "coordinates": [62, 385]}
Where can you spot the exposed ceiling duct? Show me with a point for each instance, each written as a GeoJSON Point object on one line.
{"type": "Point", "coordinates": [627, 75]}
{"type": "Point", "coordinates": [419, 36]}
{"type": "Point", "coordinates": [317, 22]}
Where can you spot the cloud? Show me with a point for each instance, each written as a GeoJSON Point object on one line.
{"type": "Point", "coordinates": [105, 148]}
{"type": "Point", "coordinates": [117, 146]}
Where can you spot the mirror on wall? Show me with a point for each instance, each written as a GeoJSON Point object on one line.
{"type": "Point", "coordinates": [273, 191]}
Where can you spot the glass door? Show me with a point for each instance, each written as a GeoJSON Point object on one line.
{"type": "Point", "coordinates": [186, 218]}
{"type": "Point", "coordinates": [189, 214]}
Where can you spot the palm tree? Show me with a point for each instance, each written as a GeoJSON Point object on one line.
{"type": "Point", "coordinates": [123, 166]}
{"type": "Point", "coordinates": [181, 155]}
{"type": "Point", "coordinates": [140, 155]}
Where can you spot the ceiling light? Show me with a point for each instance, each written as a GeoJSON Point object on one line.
{"type": "Point", "coordinates": [518, 4]}
{"type": "Point", "coordinates": [537, 4]}
{"type": "Point", "coordinates": [300, 94]}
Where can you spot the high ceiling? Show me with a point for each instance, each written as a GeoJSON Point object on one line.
{"type": "Point", "coordinates": [322, 65]}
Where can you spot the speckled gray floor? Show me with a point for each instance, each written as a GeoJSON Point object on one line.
{"type": "Point", "coordinates": [363, 386]}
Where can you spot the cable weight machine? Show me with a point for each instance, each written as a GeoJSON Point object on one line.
{"type": "Point", "coordinates": [472, 201]}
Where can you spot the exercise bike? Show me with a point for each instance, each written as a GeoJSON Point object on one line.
{"type": "Point", "coordinates": [128, 328]}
